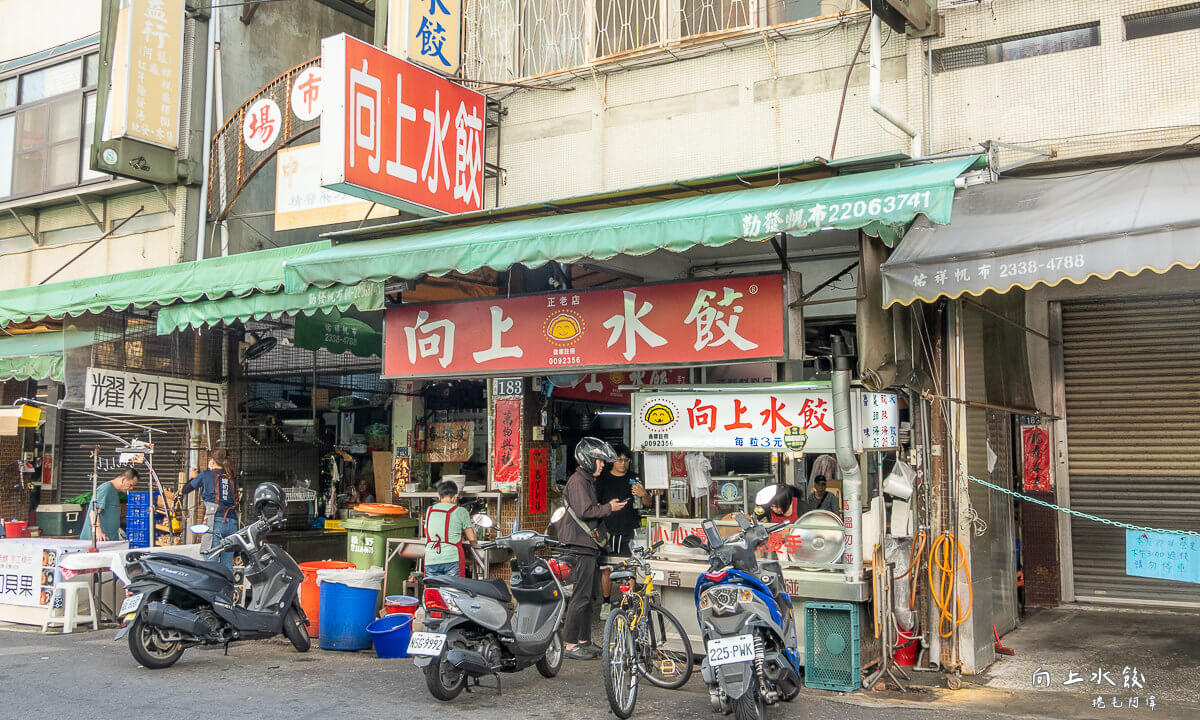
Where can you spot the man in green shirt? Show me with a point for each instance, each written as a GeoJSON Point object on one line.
{"type": "Point", "coordinates": [446, 524]}
{"type": "Point", "coordinates": [104, 512]}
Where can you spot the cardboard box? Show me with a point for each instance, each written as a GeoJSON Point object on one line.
{"type": "Point", "coordinates": [381, 463]}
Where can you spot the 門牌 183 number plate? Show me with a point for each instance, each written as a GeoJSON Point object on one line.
{"type": "Point", "coordinates": [722, 651]}
{"type": "Point", "coordinates": [423, 643]}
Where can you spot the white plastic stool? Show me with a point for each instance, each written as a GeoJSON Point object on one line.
{"type": "Point", "coordinates": [70, 616]}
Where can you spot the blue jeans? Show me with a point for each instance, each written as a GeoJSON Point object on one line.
{"type": "Point", "coordinates": [450, 568]}
{"type": "Point", "coordinates": [222, 528]}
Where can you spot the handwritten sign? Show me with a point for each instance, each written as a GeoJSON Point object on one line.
{"type": "Point", "coordinates": [1166, 556]}
{"type": "Point", "coordinates": [506, 445]}
{"type": "Point", "coordinates": [401, 470]}
{"type": "Point", "coordinates": [879, 421]}
{"type": "Point", "coordinates": [113, 391]}
{"type": "Point", "coordinates": [1035, 458]}
{"type": "Point", "coordinates": [538, 474]}
{"type": "Point", "coordinates": [449, 442]}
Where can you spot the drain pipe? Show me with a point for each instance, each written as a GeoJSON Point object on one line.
{"type": "Point", "coordinates": [843, 439]}
{"type": "Point", "coordinates": [876, 65]}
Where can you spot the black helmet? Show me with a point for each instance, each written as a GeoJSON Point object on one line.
{"type": "Point", "coordinates": [268, 500]}
{"type": "Point", "coordinates": [591, 449]}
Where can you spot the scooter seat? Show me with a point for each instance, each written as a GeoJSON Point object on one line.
{"type": "Point", "coordinates": [494, 589]}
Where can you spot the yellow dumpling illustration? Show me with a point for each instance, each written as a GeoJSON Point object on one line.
{"type": "Point", "coordinates": [659, 415]}
{"type": "Point", "coordinates": [563, 327]}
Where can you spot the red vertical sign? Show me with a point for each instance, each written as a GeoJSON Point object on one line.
{"type": "Point", "coordinates": [538, 471]}
{"type": "Point", "coordinates": [506, 445]}
{"type": "Point", "coordinates": [1035, 458]}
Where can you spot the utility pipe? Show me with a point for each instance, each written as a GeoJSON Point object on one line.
{"type": "Point", "coordinates": [206, 138]}
{"type": "Point", "coordinates": [847, 459]}
{"type": "Point", "coordinates": [876, 65]}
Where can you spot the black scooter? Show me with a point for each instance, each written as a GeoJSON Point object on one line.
{"type": "Point", "coordinates": [479, 628]}
{"type": "Point", "coordinates": [174, 602]}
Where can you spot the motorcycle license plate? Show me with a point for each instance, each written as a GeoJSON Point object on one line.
{"type": "Point", "coordinates": [423, 643]}
{"type": "Point", "coordinates": [722, 651]}
{"type": "Point", "coordinates": [130, 604]}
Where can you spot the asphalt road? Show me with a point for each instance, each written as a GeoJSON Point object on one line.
{"type": "Point", "coordinates": [87, 675]}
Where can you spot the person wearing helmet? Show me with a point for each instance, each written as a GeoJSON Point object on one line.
{"type": "Point", "coordinates": [582, 531]}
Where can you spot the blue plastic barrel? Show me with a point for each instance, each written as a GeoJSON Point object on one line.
{"type": "Point", "coordinates": [391, 634]}
{"type": "Point", "coordinates": [345, 614]}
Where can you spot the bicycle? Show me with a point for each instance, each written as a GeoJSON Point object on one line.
{"type": "Point", "coordinates": [641, 637]}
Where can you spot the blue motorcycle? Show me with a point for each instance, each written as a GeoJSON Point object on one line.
{"type": "Point", "coordinates": [747, 621]}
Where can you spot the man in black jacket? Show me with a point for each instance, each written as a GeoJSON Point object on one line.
{"type": "Point", "coordinates": [580, 531]}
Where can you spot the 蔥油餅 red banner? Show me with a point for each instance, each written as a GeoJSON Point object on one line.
{"type": "Point", "coordinates": [397, 134]}
{"type": "Point", "coordinates": [687, 323]}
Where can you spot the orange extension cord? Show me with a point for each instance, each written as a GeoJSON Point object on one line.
{"type": "Point", "coordinates": [942, 557]}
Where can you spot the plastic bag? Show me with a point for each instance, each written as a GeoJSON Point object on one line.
{"type": "Point", "coordinates": [897, 553]}
{"type": "Point", "coordinates": [369, 579]}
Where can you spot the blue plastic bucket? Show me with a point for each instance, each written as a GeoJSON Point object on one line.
{"type": "Point", "coordinates": [390, 634]}
{"type": "Point", "coordinates": [345, 614]}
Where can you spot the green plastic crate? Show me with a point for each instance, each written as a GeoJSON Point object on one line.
{"type": "Point", "coordinates": [831, 646]}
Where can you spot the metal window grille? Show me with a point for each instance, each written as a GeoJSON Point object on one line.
{"type": "Point", "coordinates": [1161, 22]}
{"type": "Point", "coordinates": [1017, 47]}
{"type": "Point", "coordinates": [507, 39]}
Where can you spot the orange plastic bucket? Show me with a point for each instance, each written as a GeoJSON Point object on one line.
{"type": "Point", "coordinates": [310, 593]}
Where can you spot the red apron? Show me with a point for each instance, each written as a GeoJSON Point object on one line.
{"type": "Point", "coordinates": [436, 543]}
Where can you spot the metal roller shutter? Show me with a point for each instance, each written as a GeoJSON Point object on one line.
{"type": "Point", "coordinates": [1132, 379]}
{"type": "Point", "coordinates": [170, 450]}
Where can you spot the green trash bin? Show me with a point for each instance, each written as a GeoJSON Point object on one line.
{"type": "Point", "coordinates": [366, 546]}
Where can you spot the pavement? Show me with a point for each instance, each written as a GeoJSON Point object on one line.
{"type": "Point", "coordinates": [87, 675]}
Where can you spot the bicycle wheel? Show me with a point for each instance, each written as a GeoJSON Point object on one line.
{"type": "Point", "coordinates": [664, 651]}
{"type": "Point", "coordinates": [617, 659]}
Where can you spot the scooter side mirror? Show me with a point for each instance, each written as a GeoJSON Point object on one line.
{"type": "Point", "coordinates": [199, 529]}
{"type": "Point", "coordinates": [558, 515]}
{"type": "Point", "coordinates": [693, 542]}
{"type": "Point", "coordinates": [483, 521]}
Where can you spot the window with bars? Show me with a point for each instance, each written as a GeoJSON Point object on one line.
{"type": "Point", "coordinates": [1017, 47]}
{"type": "Point", "coordinates": [1162, 22]}
{"type": "Point", "coordinates": [46, 121]}
{"type": "Point", "coordinates": [510, 39]}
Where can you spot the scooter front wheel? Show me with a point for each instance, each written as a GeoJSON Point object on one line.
{"type": "Point", "coordinates": [293, 628]}
{"type": "Point", "coordinates": [149, 649]}
{"type": "Point", "coordinates": [444, 680]}
{"type": "Point", "coordinates": [552, 661]}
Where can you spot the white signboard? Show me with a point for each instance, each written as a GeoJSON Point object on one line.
{"type": "Point", "coordinates": [113, 391]}
{"type": "Point", "coordinates": [786, 418]}
{"type": "Point", "coordinates": [300, 201]}
{"type": "Point", "coordinates": [147, 65]}
{"type": "Point", "coordinates": [24, 578]}
{"type": "Point", "coordinates": [878, 422]}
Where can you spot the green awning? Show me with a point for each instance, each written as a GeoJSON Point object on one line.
{"type": "Point", "coordinates": [880, 203]}
{"type": "Point", "coordinates": [203, 279]}
{"type": "Point", "coordinates": [339, 333]}
{"type": "Point", "coordinates": [258, 306]}
{"type": "Point", "coordinates": [32, 356]}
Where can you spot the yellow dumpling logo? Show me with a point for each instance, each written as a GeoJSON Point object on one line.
{"type": "Point", "coordinates": [563, 328]}
{"type": "Point", "coordinates": [659, 415]}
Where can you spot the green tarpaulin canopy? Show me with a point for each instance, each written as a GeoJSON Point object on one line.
{"type": "Point", "coordinates": [187, 282]}
{"type": "Point", "coordinates": [256, 306]}
{"type": "Point", "coordinates": [32, 356]}
{"type": "Point", "coordinates": [878, 202]}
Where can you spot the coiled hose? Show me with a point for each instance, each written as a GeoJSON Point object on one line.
{"type": "Point", "coordinates": [946, 562]}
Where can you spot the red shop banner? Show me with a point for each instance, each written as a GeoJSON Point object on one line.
{"type": "Point", "coordinates": [538, 473]}
{"type": "Point", "coordinates": [606, 387]}
{"type": "Point", "coordinates": [506, 445]}
{"type": "Point", "coordinates": [704, 321]}
{"type": "Point", "coordinates": [397, 134]}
